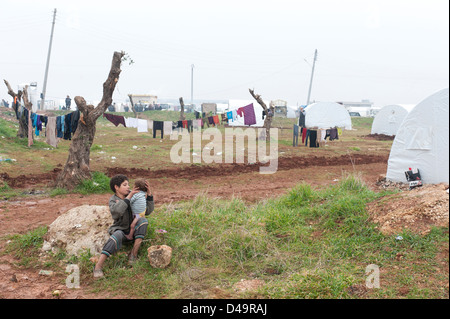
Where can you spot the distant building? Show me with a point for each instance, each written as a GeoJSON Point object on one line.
{"type": "Point", "coordinates": [280, 107]}
{"type": "Point", "coordinates": [209, 107]}
{"type": "Point", "coordinates": [363, 108]}
{"type": "Point", "coordinates": [146, 101]}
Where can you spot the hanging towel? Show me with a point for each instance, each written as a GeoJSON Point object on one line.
{"type": "Point", "coordinates": [131, 122]}
{"type": "Point", "coordinates": [150, 125]}
{"type": "Point", "coordinates": [240, 111]}
{"type": "Point", "coordinates": [249, 115]}
{"type": "Point", "coordinates": [142, 126]}
{"type": "Point", "coordinates": [50, 130]}
{"type": "Point", "coordinates": [167, 128]}
{"type": "Point", "coordinates": [115, 119]}
{"type": "Point", "coordinates": [230, 115]}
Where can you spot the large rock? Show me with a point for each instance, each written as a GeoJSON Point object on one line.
{"type": "Point", "coordinates": [80, 228]}
{"type": "Point", "coordinates": [159, 256]}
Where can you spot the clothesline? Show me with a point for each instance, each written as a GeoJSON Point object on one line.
{"type": "Point", "coordinates": [315, 136]}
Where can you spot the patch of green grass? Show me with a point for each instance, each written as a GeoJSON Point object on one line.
{"type": "Point", "coordinates": [26, 247]}
{"type": "Point", "coordinates": [306, 244]}
{"type": "Point", "coordinates": [99, 184]}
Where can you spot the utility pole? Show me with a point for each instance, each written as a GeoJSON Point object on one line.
{"type": "Point", "coordinates": [192, 85]}
{"type": "Point", "coordinates": [312, 74]}
{"type": "Point", "coordinates": [42, 106]}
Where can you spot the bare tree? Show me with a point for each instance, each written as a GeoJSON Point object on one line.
{"type": "Point", "coordinates": [182, 116]}
{"type": "Point", "coordinates": [269, 114]}
{"type": "Point", "coordinates": [132, 105]}
{"type": "Point", "coordinates": [23, 122]}
{"type": "Point", "coordinates": [77, 165]}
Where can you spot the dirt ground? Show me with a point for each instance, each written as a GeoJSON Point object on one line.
{"type": "Point", "coordinates": [224, 181]}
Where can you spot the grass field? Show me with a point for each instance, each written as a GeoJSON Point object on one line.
{"type": "Point", "coordinates": [308, 243]}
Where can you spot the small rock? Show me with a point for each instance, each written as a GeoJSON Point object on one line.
{"type": "Point", "coordinates": [159, 256]}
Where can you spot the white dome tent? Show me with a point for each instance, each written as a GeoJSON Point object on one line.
{"type": "Point", "coordinates": [389, 118]}
{"type": "Point", "coordinates": [327, 115]}
{"type": "Point", "coordinates": [422, 142]}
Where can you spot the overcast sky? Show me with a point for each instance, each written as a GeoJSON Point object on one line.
{"type": "Point", "coordinates": [387, 51]}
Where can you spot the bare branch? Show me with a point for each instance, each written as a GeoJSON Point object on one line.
{"type": "Point", "coordinates": [26, 102]}
{"type": "Point", "coordinates": [12, 93]}
{"type": "Point", "coordinates": [258, 98]}
{"type": "Point", "coordinates": [109, 85]}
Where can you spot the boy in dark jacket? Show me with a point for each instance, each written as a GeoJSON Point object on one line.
{"type": "Point", "coordinates": [125, 227]}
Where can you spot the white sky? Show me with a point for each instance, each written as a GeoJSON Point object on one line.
{"type": "Point", "coordinates": [388, 51]}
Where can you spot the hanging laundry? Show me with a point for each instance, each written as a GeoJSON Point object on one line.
{"type": "Point", "coordinates": [131, 122]}
{"type": "Point", "coordinates": [304, 131]}
{"type": "Point", "coordinates": [167, 128]}
{"type": "Point", "coordinates": [240, 111]}
{"type": "Point", "coordinates": [185, 123]}
{"type": "Point", "coordinates": [189, 125]}
{"type": "Point", "coordinates": [230, 116]}
{"type": "Point", "coordinates": [150, 125]}
{"type": "Point", "coordinates": [67, 127]}
{"type": "Point", "coordinates": [50, 132]}
{"type": "Point", "coordinates": [115, 119]}
{"type": "Point", "coordinates": [158, 125]}
{"type": "Point", "coordinates": [249, 115]}
{"type": "Point", "coordinates": [211, 121]}
{"type": "Point", "coordinates": [30, 129]}
{"type": "Point", "coordinates": [75, 120]}
{"type": "Point", "coordinates": [224, 118]}
{"type": "Point", "coordinates": [180, 126]}
{"type": "Point", "coordinates": [334, 134]}
{"type": "Point", "coordinates": [216, 119]}
{"type": "Point", "coordinates": [339, 131]}
{"type": "Point", "coordinates": [313, 138]}
{"type": "Point", "coordinates": [323, 133]}
{"type": "Point", "coordinates": [59, 131]}
{"type": "Point", "coordinates": [234, 115]}
{"type": "Point", "coordinates": [295, 138]}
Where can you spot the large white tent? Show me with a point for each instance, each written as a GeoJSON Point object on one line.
{"type": "Point", "coordinates": [388, 119]}
{"type": "Point", "coordinates": [422, 142]}
{"type": "Point", "coordinates": [327, 115]}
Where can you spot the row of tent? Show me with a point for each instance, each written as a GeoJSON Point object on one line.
{"type": "Point", "coordinates": [421, 134]}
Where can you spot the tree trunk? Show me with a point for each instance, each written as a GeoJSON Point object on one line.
{"type": "Point", "coordinates": [269, 115]}
{"type": "Point", "coordinates": [23, 122]}
{"type": "Point", "coordinates": [182, 116]}
{"type": "Point", "coordinates": [77, 165]}
{"type": "Point", "coordinates": [132, 106]}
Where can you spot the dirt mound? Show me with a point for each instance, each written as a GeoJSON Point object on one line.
{"type": "Point", "coordinates": [197, 171]}
{"type": "Point", "coordinates": [418, 210]}
{"type": "Point", "coordinates": [284, 163]}
{"type": "Point", "coordinates": [380, 137]}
